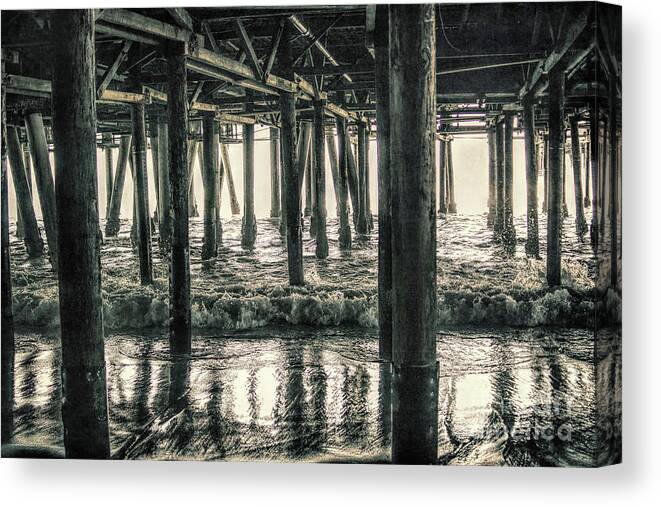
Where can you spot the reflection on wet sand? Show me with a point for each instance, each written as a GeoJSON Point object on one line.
{"type": "Point", "coordinates": [302, 394]}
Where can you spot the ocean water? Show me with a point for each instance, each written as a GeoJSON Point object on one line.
{"type": "Point", "coordinates": [528, 376]}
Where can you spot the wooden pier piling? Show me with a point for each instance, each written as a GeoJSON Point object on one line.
{"type": "Point", "coordinates": [509, 232]}
{"type": "Point", "coordinates": [249, 224]}
{"type": "Point", "coordinates": [275, 171]}
{"type": "Point", "coordinates": [177, 128]}
{"type": "Point", "coordinates": [84, 407]}
{"type": "Point", "coordinates": [442, 177]}
{"type": "Point", "coordinates": [362, 227]}
{"type": "Point", "coordinates": [499, 219]}
{"type": "Point", "coordinates": [556, 161]}
{"type": "Point", "coordinates": [164, 202]}
{"type": "Point", "coordinates": [141, 193]}
{"type": "Point", "coordinates": [112, 220]}
{"type": "Point", "coordinates": [452, 202]}
{"type": "Point", "coordinates": [210, 186]}
{"type": "Point", "coordinates": [319, 212]}
{"type": "Point", "coordinates": [109, 169]}
{"type": "Point", "coordinates": [34, 245]}
{"type": "Point", "coordinates": [532, 240]}
{"type": "Point", "coordinates": [343, 149]}
{"type": "Point", "coordinates": [491, 201]}
{"type": "Point", "coordinates": [581, 224]}
{"type": "Point", "coordinates": [413, 110]}
{"type": "Point", "coordinates": [594, 168]}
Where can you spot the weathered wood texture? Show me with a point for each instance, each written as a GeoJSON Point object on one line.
{"type": "Point", "coordinates": [290, 165]}
{"type": "Point", "coordinates": [556, 182]}
{"type": "Point", "coordinates": [112, 220]}
{"type": "Point", "coordinates": [412, 161]}
{"type": "Point", "coordinates": [34, 245]}
{"type": "Point", "coordinates": [342, 152]}
{"type": "Point", "coordinates": [141, 205]}
{"type": "Point", "coordinates": [84, 406]}
{"type": "Point", "coordinates": [498, 222]}
{"type": "Point", "coordinates": [581, 224]}
{"type": "Point", "coordinates": [532, 239]}
{"type": "Point", "coordinates": [249, 224]}
{"type": "Point", "coordinates": [362, 226]}
{"type": "Point", "coordinates": [275, 171]}
{"type": "Point", "coordinates": [382, 77]}
{"type": "Point", "coordinates": [180, 304]}
{"type": "Point", "coordinates": [491, 202]}
{"type": "Point", "coordinates": [319, 212]}
{"type": "Point", "coordinates": [594, 167]}
{"type": "Point", "coordinates": [509, 232]}
{"type": "Point", "coordinates": [210, 184]}
{"type": "Point", "coordinates": [164, 194]}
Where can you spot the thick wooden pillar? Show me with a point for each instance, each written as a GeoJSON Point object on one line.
{"type": "Point", "coordinates": [180, 306]}
{"type": "Point", "coordinates": [585, 160]}
{"type": "Point", "coordinates": [153, 141]}
{"type": "Point", "coordinates": [413, 119]}
{"type": "Point", "coordinates": [334, 166]}
{"type": "Point", "coordinates": [581, 224]}
{"type": "Point", "coordinates": [352, 179]}
{"type": "Point", "coordinates": [442, 178]}
{"type": "Point", "coordinates": [556, 183]}
{"type": "Point", "coordinates": [343, 149]}
{"type": "Point", "coordinates": [275, 172]}
{"type": "Point", "coordinates": [532, 241]}
{"type": "Point", "coordinates": [452, 203]}
{"type": "Point", "coordinates": [107, 151]}
{"type": "Point", "coordinates": [290, 164]}
{"type": "Point", "coordinates": [491, 202]}
{"type": "Point", "coordinates": [319, 212]}
{"type": "Point", "coordinates": [362, 227]}
{"type": "Point", "coordinates": [210, 184]}
{"type": "Point", "coordinates": [33, 242]}
{"type": "Point", "coordinates": [141, 192]}
{"type": "Point", "coordinates": [249, 226]}
{"type": "Point", "coordinates": [382, 82]}
{"type": "Point", "coordinates": [594, 169]}
{"type": "Point", "coordinates": [7, 352]}
{"type": "Point", "coordinates": [164, 211]}
{"type": "Point", "coordinates": [84, 406]}
{"type": "Point", "coordinates": [509, 232]}
{"type": "Point", "coordinates": [112, 220]}
{"type": "Point", "coordinates": [307, 210]}
{"type": "Point", "coordinates": [192, 156]}
{"type": "Point", "coordinates": [545, 161]}
{"type": "Point", "coordinates": [34, 126]}
{"type": "Point", "coordinates": [499, 219]}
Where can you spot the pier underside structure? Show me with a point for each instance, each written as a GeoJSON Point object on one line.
{"type": "Point", "coordinates": [173, 84]}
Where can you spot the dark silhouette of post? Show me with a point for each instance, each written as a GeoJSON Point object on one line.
{"type": "Point", "coordinates": [164, 200]}
{"type": "Point", "coordinates": [352, 178]}
{"type": "Point", "coordinates": [594, 168]}
{"type": "Point", "coordinates": [334, 166]}
{"type": "Point", "coordinates": [210, 184]}
{"type": "Point", "coordinates": [614, 178]}
{"type": "Point", "coordinates": [532, 241]}
{"type": "Point", "coordinates": [545, 161]}
{"type": "Point", "coordinates": [499, 219]}
{"type": "Point", "coordinates": [319, 212]}
{"type": "Point", "coordinates": [343, 167]}
{"type": "Point", "coordinates": [34, 126]}
{"type": "Point", "coordinates": [84, 407]}
{"type": "Point", "coordinates": [556, 183]}
{"type": "Point", "coordinates": [581, 224]}
{"type": "Point", "coordinates": [362, 227]}
{"type": "Point", "coordinates": [275, 171]}
{"type": "Point", "coordinates": [112, 220]}
{"type": "Point", "coordinates": [153, 141]}
{"type": "Point", "coordinates": [585, 159]}
{"type": "Point", "coordinates": [141, 192]}
{"type": "Point", "coordinates": [412, 134]}
{"type": "Point", "coordinates": [452, 203]}
{"type": "Point", "coordinates": [382, 83]}
{"type": "Point", "coordinates": [180, 305]}
{"type": "Point", "coordinates": [107, 151]}
{"type": "Point", "coordinates": [509, 232]}
{"type": "Point", "coordinates": [249, 225]}
{"type": "Point", "coordinates": [290, 164]}
{"type": "Point", "coordinates": [442, 177]}
{"type": "Point", "coordinates": [34, 245]}
{"type": "Point", "coordinates": [491, 202]}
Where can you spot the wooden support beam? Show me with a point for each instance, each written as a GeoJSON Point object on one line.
{"type": "Point", "coordinates": [84, 398]}
{"type": "Point", "coordinates": [210, 186]}
{"type": "Point", "coordinates": [498, 223]}
{"type": "Point", "coordinates": [139, 23]}
{"type": "Point", "coordinates": [594, 167]}
{"type": "Point", "coordinates": [491, 202]}
{"type": "Point", "coordinates": [141, 205]}
{"type": "Point", "coordinates": [290, 165]}
{"type": "Point", "coordinates": [164, 212]}
{"type": "Point", "coordinates": [246, 46]}
{"type": "Point", "coordinates": [335, 171]}
{"type": "Point", "coordinates": [452, 203]}
{"type": "Point", "coordinates": [34, 245]}
{"type": "Point", "coordinates": [227, 173]}
{"type": "Point", "coordinates": [107, 151]}
{"type": "Point", "coordinates": [352, 179]}
{"type": "Point", "coordinates": [112, 220]}
{"type": "Point", "coordinates": [111, 71]}
{"type": "Point", "coordinates": [532, 240]}
{"type": "Point", "coordinates": [249, 224]}
{"type": "Point", "coordinates": [556, 160]}
{"type": "Point", "coordinates": [412, 102]}
{"type": "Point", "coordinates": [362, 226]}
{"type": "Point", "coordinates": [34, 126]}
{"type": "Point", "coordinates": [275, 42]}
{"type": "Point", "coordinates": [181, 16]}
{"type": "Point", "coordinates": [382, 77]}
{"type": "Point", "coordinates": [581, 224]}
{"type": "Point", "coordinates": [177, 115]}
{"type": "Point", "coordinates": [155, 157]}
{"type": "Point", "coordinates": [343, 147]}
{"type": "Point", "coordinates": [319, 211]}
{"type": "Point", "coordinates": [275, 171]}
{"type": "Point", "coordinates": [509, 232]}
{"type": "Point", "coordinates": [442, 178]}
